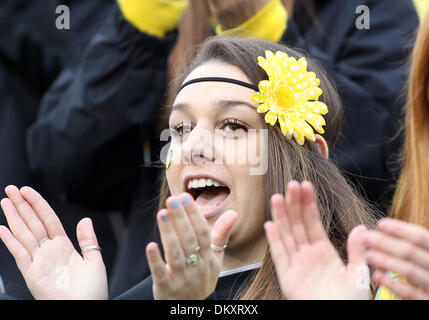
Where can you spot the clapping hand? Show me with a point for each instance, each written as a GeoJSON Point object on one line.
{"type": "Point", "coordinates": [193, 253]}
{"type": "Point", "coordinates": [402, 248]}
{"type": "Point", "coordinates": [307, 264]}
{"type": "Point", "coordinates": [49, 263]}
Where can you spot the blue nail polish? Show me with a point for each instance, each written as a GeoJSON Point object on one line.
{"type": "Point", "coordinates": [175, 204]}
{"type": "Point", "coordinates": [165, 217]}
{"type": "Point", "coordinates": [153, 251]}
{"type": "Point", "coordinates": [186, 200]}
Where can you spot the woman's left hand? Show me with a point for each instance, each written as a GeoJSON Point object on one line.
{"type": "Point", "coordinates": [307, 264]}
{"type": "Point", "coordinates": [193, 253]}
{"type": "Point", "coordinates": [402, 248]}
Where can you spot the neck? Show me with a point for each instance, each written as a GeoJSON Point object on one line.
{"type": "Point", "coordinates": [243, 256]}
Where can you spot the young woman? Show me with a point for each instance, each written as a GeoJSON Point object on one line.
{"type": "Point", "coordinates": [403, 246]}
{"type": "Point", "coordinates": [212, 205]}
{"type": "Point", "coordinates": [399, 246]}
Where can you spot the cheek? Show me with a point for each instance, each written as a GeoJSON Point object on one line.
{"type": "Point", "coordinates": [246, 152]}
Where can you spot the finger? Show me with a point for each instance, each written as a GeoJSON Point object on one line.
{"type": "Point", "coordinates": [277, 250]}
{"type": "Point", "coordinates": [158, 269]}
{"type": "Point", "coordinates": [314, 228]}
{"type": "Point", "coordinates": [44, 211]}
{"type": "Point", "coordinates": [199, 223]}
{"type": "Point", "coordinates": [21, 255]}
{"type": "Point", "coordinates": [356, 247]}
{"type": "Point", "coordinates": [397, 247]}
{"type": "Point", "coordinates": [86, 237]}
{"type": "Point", "coordinates": [173, 251]}
{"type": "Point", "coordinates": [410, 271]}
{"type": "Point", "coordinates": [182, 225]}
{"type": "Point", "coordinates": [26, 213]}
{"type": "Point", "coordinates": [281, 220]}
{"type": "Point", "coordinates": [400, 289]}
{"type": "Point", "coordinates": [294, 210]}
{"type": "Point", "coordinates": [221, 231]}
{"type": "Point", "coordinates": [406, 231]}
{"type": "Point", "coordinates": [19, 229]}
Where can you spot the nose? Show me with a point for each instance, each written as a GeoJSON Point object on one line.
{"type": "Point", "coordinates": [199, 147]}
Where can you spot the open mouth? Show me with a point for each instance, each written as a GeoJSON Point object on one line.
{"type": "Point", "coordinates": [210, 195]}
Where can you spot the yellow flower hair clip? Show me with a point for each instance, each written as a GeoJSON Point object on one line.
{"type": "Point", "coordinates": [290, 96]}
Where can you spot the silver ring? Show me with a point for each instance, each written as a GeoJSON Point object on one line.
{"type": "Point", "coordinates": [218, 248]}
{"type": "Point", "coordinates": [197, 249]}
{"type": "Point", "coordinates": [43, 240]}
{"type": "Point", "coordinates": [192, 260]}
{"type": "Point", "coordinates": [89, 248]}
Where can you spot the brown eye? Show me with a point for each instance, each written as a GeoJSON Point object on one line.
{"type": "Point", "coordinates": [233, 126]}
{"type": "Point", "coordinates": [181, 129]}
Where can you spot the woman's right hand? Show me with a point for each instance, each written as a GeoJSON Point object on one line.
{"type": "Point", "coordinates": [192, 265]}
{"type": "Point", "coordinates": [49, 263]}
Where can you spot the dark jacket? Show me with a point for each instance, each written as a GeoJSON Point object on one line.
{"type": "Point", "coordinates": [91, 130]}
{"type": "Point", "coordinates": [33, 52]}
{"type": "Point", "coordinates": [93, 124]}
{"type": "Point", "coordinates": [227, 287]}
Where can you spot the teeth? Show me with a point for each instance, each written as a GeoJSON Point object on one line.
{"type": "Point", "coordinates": [201, 183]}
{"type": "Point", "coordinates": [207, 207]}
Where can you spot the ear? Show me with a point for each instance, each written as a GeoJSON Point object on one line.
{"type": "Point", "coordinates": [322, 146]}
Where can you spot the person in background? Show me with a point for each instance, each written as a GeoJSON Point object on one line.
{"type": "Point", "coordinates": [33, 54]}
{"type": "Point", "coordinates": [399, 249]}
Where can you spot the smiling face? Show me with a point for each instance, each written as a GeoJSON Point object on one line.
{"type": "Point", "coordinates": [213, 126]}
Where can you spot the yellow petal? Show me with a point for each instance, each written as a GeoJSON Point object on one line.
{"type": "Point", "coordinates": [271, 118]}
{"type": "Point", "coordinates": [312, 93]}
{"type": "Point", "coordinates": [303, 62]}
{"type": "Point", "coordinates": [262, 108]}
{"type": "Point", "coordinates": [268, 54]}
{"type": "Point", "coordinates": [317, 121]}
{"type": "Point", "coordinates": [308, 131]}
{"type": "Point", "coordinates": [316, 107]}
{"type": "Point", "coordinates": [264, 85]}
{"type": "Point", "coordinates": [258, 97]}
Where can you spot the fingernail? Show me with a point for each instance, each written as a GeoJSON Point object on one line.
{"type": "Point", "coordinates": [152, 251]}
{"type": "Point", "coordinates": [165, 217]}
{"type": "Point", "coordinates": [186, 200]}
{"type": "Point", "coordinates": [175, 204]}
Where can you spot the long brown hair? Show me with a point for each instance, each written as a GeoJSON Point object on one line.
{"type": "Point", "coordinates": [411, 200]}
{"type": "Point", "coordinates": [340, 207]}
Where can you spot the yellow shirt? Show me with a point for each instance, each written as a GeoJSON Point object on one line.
{"type": "Point", "coordinates": [384, 293]}
{"type": "Point", "coordinates": [155, 17]}
{"type": "Point", "coordinates": [269, 23]}
{"type": "Point", "coordinates": [421, 7]}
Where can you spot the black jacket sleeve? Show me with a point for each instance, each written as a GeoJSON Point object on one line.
{"type": "Point", "coordinates": [90, 130]}
{"type": "Point", "coordinates": [369, 68]}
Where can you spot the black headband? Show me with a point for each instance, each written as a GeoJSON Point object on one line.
{"type": "Point", "coordinates": [219, 79]}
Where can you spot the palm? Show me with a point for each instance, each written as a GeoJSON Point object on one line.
{"type": "Point", "coordinates": [307, 264]}
{"type": "Point", "coordinates": [49, 263]}
{"type": "Point", "coordinates": [51, 272]}
{"type": "Point", "coordinates": [317, 272]}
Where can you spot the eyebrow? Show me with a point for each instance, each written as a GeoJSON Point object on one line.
{"type": "Point", "coordinates": [220, 104]}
